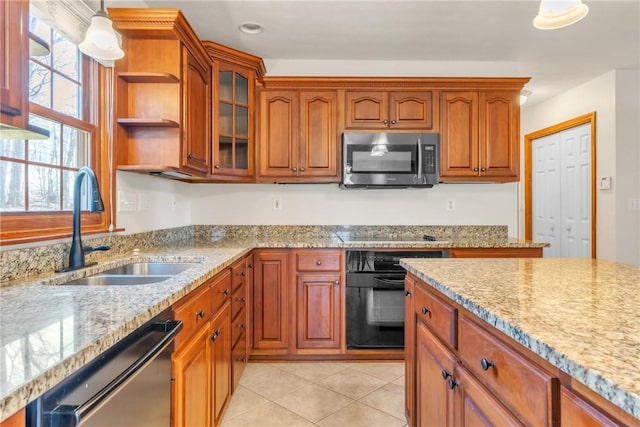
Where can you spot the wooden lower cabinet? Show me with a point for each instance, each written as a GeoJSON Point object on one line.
{"type": "Point", "coordinates": [318, 311]}
{"type": "Point", "coordinates": [271, 311]}
{"type": "Point", "coordinates": [434, 366]}
{"type": "Point", "coordinates": [201, 363]}
{"type": "Point", "coordinates": [495, 253]}
{"type": "Point", "coordinates": [19, 419]}
{"type": "Point", "coordinates": [487, 379]}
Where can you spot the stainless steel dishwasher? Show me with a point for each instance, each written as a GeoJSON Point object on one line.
{"type": "Point", "coordinates": [128, 385]}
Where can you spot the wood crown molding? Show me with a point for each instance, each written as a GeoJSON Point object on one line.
{"type": "Point", "coordinates": [156, 24]}
{"type": "Point", "coordinates": [415, 83]}
{"type": "Point", "coordinates": [229, 54]}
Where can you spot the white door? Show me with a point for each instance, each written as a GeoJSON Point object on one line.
{"type": "Point", "coordinates": [561, 192]}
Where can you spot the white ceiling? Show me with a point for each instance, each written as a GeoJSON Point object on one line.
{"type": "Point", "coordinates": [494, 31]}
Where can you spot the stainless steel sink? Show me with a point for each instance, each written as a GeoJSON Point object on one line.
{"type": "Point", "coordinates": [111, 280]}
{"type": "Point", "coordinates": [137, 273]}
{"type": "Point", "coordinates": [150, 269]}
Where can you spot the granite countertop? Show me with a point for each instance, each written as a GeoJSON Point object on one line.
{"type": "Point", "coordinates": [48, 330]}
{"type": "Point", "coordinates": [36, 316]}
{"type": "Point", "coordinates": [581, 315]}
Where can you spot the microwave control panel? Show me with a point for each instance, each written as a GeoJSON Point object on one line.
{"type": "Point", "coordinates": [430, 160]}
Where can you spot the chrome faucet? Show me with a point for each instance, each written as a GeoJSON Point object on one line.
{"type": "Point", "coordinates": [76, 255]}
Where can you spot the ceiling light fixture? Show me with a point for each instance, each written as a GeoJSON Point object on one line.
{"type": "Point", "coordinates": [524, 94]}
{"type": "Point", "coordinates": [251, 28]}
{"type": "Point", "coordinates": [101, 40]}
{"type": "Point", "coordinates": [559, 13]}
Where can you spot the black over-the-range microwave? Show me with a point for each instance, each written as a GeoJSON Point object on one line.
{"type": "Point", "coordinates": [390, 160]}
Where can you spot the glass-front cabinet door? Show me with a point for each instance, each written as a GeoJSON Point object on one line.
{"type": "Point", "coordinates": [233, 146]}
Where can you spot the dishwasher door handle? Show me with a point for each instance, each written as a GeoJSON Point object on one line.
{"type": "Point", "coordinates": [73, 415]}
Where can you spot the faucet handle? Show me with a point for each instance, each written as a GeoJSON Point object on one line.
{"type": "Point", "coordinates": [96, 248]}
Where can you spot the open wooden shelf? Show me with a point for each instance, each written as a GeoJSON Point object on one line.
{"type": "Point", "coordinates": [137, 77]}
{"type": "Point", "coordinates": [156, 123]}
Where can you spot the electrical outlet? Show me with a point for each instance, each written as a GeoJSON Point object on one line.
{"type": "Point", "coordinates": [451, 205]}
{"type": "Point", "coordinates": [277, 204]}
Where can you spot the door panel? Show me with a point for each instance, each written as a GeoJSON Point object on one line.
{"type": "Point", "coordinates": [546, 193]}
{"type": "Point", "coordinates": [459, 133]}
{"type": "Point", "coordinates": [318, 308]}
{"type": "Point", "coordinates": [319, 136]}
{"type": "Point", "coordinates": [279, 113]}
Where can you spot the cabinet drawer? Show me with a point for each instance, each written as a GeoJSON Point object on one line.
{"type": "Point", "coordinates": [440, 317]}
{"type": "Point", "coordinates": [238, 274]}
{"type": "Point", "coordinates": [220, 289]}
{"type": "Point", "coordinates": [523, 387]}
{"type": "Point", "coordinates": [238, 300]}
{"type": "Point", "coordinates": [238, 327]}
{"type": "Point", "coordinates": [239, 359]}
{"type": "Point", "coordinates": [193, 311]}
{"type": "Point", "coordinates": [318, 261]}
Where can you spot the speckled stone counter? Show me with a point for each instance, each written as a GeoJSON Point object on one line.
{"type": "Point", "coordinates": [581, 315]}
{"type": "Point", "coordinates": [48, 332]}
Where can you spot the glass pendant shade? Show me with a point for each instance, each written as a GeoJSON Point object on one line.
{"type": "Point", "coordinates": [559, 13]}
{"type": "Point", "coordinates": [101, 40]}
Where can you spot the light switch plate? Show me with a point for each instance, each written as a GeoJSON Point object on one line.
{"type": "Point", "coordinates": [604, 183]}
{"type": "Point", "coordinates": [127, 201]}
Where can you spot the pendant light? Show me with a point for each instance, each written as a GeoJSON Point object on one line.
{"type": "Point", "coordinates": [101, 41]}
{"type": "Point", "coordinates": [559, 13]}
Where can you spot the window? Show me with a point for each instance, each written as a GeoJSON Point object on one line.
{"type": "Point", "coordinates": [37, 176]}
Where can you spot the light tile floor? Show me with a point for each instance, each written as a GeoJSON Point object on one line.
{"type": "Point", "coordinates": [327, 394]}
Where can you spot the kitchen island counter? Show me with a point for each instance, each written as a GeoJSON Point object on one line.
{"type": "Point", "coordinates": [581, 315]}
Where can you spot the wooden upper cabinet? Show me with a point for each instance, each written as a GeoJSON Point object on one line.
{"type": "Point", "coordinates": [14, 41]}
{"type": "Point", "coordinates": [390, 110]}
{"type": "Point", "coordinates": [299, 139]}
{"type": "Point", "coordinates": [479, 136]}
{"type": "Point", "coordinates": [234, 112]}
{"type": "Point", "coordinates": [163, 95]}
{"type": "Point", "coordinates": [196, 134]}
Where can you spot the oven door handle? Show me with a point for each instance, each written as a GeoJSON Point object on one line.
{"type": "Point", "coordinates": [73, 415]}
{"type": "Point", "coordinates": [396, 280]}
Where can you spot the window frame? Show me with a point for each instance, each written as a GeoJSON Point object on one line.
{"type": "Point", "coordinates": [26, 227]}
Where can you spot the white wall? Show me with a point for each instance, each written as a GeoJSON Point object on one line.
{"type": "Point", "coordinates": [615, 136]}
{"type": "Point", "coordinates": [475, 204]}
{"type": "Point", "coordinates": [162, 203]}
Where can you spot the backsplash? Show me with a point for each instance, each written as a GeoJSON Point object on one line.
{"type": "Point", "coordinates": [32, 261]}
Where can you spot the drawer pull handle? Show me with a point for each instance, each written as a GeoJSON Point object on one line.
{"type": "Point", "coordinates": [200, 314]}
{"type": "Point", "coordinates": [407, 293]}
{"type": "Point", "coordinates": [226, 291]}
{"type": "Point", "coordinates": [318, 262]}
{"type": "Point", "coordinates": [425, 310]}
{"type": "Point", "coordinates": [451, 384]}
{"type": "Point", "coordinates": [486, 364]}
{"type": "Point", "coordinates": [446, 374]}
{"type": "Point", "coordinates": [215, 335]}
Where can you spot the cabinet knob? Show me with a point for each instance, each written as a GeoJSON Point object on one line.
{"type": "Point", "coordinates": [302, 169]}
{"type": "Point", "coordinates": [318, 262]}
{"type": "Point", "coordinates": [385, 121]}
{"type": "Point", "coordinates": [393, 122]}
{"type": "Point", "coordinates": [243, 359]}
{"type": "Point", "coordinates": [483, 169]}
{"type": "Point", "coordinates": [226, 291]}
{"type": "Point", "coordinates": [250, 265]}
{"type": "Point", "coordinates": [294, 169]}
{"type": "Point", "coordinates": [425, 310]}
{"type": "Point", "coordinates": [243, 299]}
{"type": "Point", "coordinates": [446, 374]}
{"type": "Point", "coordinates": [215, 335]}
{"type": "Point", "coordinates": [451, 384]}
{"type": "Point", "coordinates": [475, 169]}
{"type": "Point", "coordinates": [217, 166]}
{"type": "Point", "coordinates": [407, 293]}
{"type": "Point", "coordinates": [242, 274]}
{"type": "Point", "coordinates": [200, 314]}
{"type": "Point", "coordinates": [486, 364]}
{"type": "Point", "coordinates": [337, 282]}
{"type": "Point", "coordinates": [241, 326]}
{"type": "Point", "coordinates": [189, 156]}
